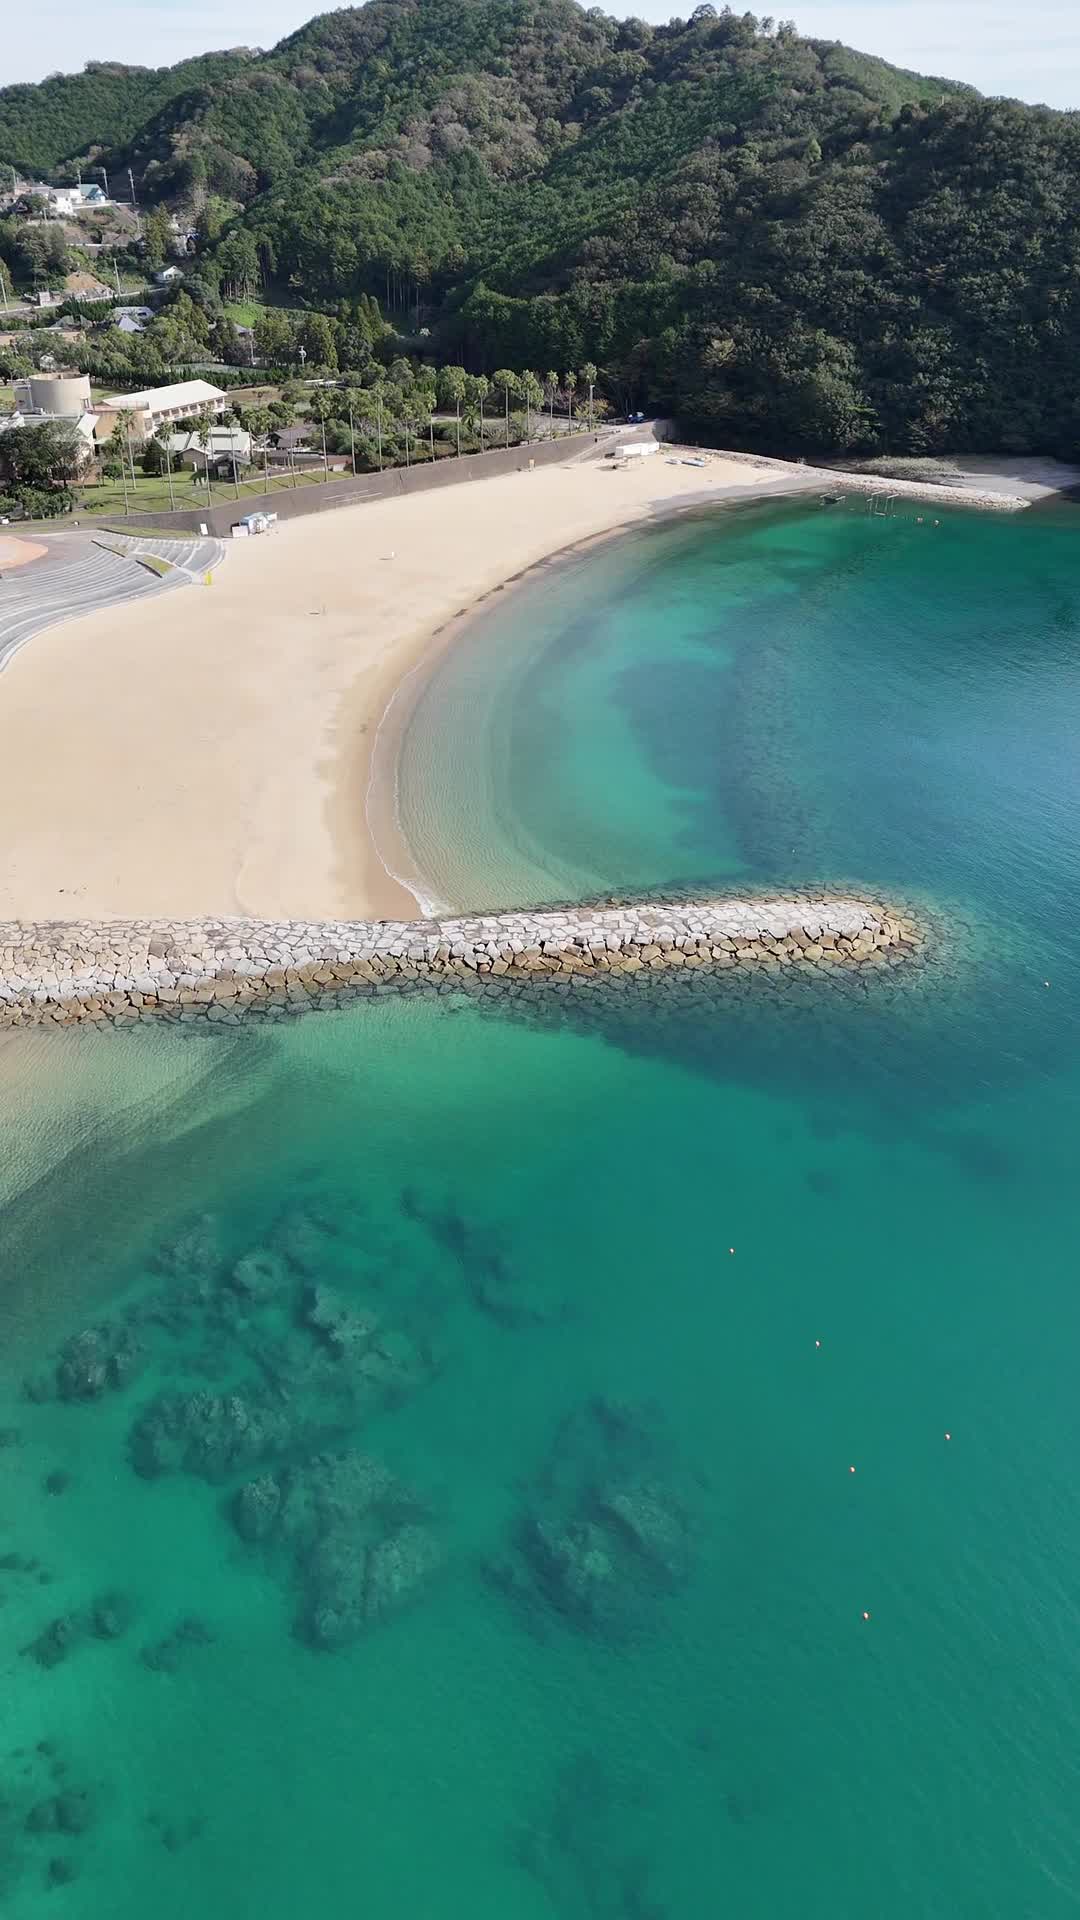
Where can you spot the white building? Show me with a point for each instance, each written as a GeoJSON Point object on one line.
{"type": "Point", "coordinates": [168, 276]}
{"type": "Point", "coordinates": [159, 408]}
{"type": "Point", "coordinates": [71, 201]}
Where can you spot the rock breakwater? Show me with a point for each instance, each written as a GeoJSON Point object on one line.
{"type": "Point", "coordinates": [224, 970]}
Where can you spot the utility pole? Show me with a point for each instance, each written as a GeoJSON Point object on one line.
{"type": "Point", "coordinates": [105, 177]}
{"type": "Point", "coordinates": [3, 288]}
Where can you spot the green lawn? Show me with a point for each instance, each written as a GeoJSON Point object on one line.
{"type": "Point", "coordinates": [150, 493]}
{"type": "Point", "coordinates": [242, 313]}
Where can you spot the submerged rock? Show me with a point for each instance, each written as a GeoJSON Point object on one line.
{"type": "Point", "coordinates": [72, 1811]}
{"type": "Point", "coordinates": [166, 1655]}
{"type": "Point", "coordinates": [653, 1522]}
{"type": "Point", "coordinates": [212, 1435]}
{"type": "Point", "coordinates": [348, 1535]}
{"type": "Point", "coordinates": [345, 1328]}
{"type": "Point", "coordinates": [55, 1642]}
{"type": "Point", "coordinates": [260, 1276]}
{"type": "Point", "coordinates": [497, 1286]}
{"type": "Point", "coordinates": [603, 1534]}
{"type": "Point", "coordinates": [352, 1586]}
{"type": "Point", "coordinates": [397, 1571]}
{"type": "Point", "coordinates": [256, 1508]}
{"type": "Point", "coordinates": [193, 1254]}
{"type": "Point", "coordinates": [97, 1361]}
{"type": "Point", "coordinates": [110, 1616]}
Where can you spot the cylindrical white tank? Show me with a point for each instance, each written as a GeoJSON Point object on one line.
{"type": "Point", "coordinates": [64, 393]}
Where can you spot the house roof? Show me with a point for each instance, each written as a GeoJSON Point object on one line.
{"type": "Point", "coordinates": [222, 440]}
{"type": "Point", "coordinates": [186, 393]}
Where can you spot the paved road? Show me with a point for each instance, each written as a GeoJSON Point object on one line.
{"type": "Point", "coordinates": [76, 575]}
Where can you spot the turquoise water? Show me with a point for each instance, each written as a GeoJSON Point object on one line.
{"type": "Point", "coordinates": [511, 1562]}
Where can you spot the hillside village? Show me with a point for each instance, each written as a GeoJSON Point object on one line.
{"type": "Point", "coordinates": [97, 296]}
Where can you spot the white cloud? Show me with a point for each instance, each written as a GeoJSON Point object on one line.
{"type": "Point", "coordinates": [1032, 54]}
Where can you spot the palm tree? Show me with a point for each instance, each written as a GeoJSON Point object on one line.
{"type": "Point", "coordinates": [588, 374]}
{"type": "Point", "coordinates": [376, 407]}
{"type": "Point", "coordinates": [257, 421]}
{"type": "Point", "coordinates": [505, 382]}
{"type": "Point", "coordinates": [202, 432]}
{"type": "Point", "coordinates": [481, 387]}
{"type": "Point", "coordinates": [352, 401]}
{"type": "Point", "coordinates": [551, 388]}
{"type": "Point", "coordinates": [321, 408]}
{"type": "Point", "coordinates": [125, 420]}
{"type": "Point", "coordinates": [569, 382]}
{"type": "Point", "coordinates": [452, 391]}
{"type": "Point", "coordinates": [533, 394]}
{"type": "Point", "coordinates": [423, 397]}
{"type": "Point", "coordinates": [164, 450]}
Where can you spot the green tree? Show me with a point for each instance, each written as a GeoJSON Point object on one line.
{"type": "Point", "coordinates": [551, 392]}
{"type": "Point", "coordinates": [156, 238]}
{"type": "Point", "coordinates": [41, 459]}
{"type": "Point", "coordinates": [275, 342]}
{"type": "Point", "coordinates": [238, 264]}
{"type": "Point", "coordinates": [317, 340]}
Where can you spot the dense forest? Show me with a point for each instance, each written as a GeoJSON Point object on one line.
{"type": "Point", "coordinates": [783, 242]}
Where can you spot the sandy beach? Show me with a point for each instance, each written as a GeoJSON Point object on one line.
{"type": "Point", "coordinates": [209, 751]}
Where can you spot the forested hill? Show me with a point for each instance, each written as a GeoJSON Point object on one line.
{"type": "Point", "coordinates": [787, 242]}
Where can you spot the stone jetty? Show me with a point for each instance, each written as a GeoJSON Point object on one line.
{"type": "Point", "coordinates": [224, 970]}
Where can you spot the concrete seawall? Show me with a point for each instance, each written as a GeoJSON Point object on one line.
{"type": "Point", "coordinates": [228, 969]}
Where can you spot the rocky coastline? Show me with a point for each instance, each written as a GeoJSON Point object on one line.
{"type": "Point", "coordinates": [226, 970]}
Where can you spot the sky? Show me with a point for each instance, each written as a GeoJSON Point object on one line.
{"type": "Point", "coordinates": [1030, 53]}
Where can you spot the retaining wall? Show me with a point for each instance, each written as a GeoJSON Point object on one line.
{"type": "Point", "coordinates": [293, 502]}
{"type": "Point", "coordinates": [222, 970]}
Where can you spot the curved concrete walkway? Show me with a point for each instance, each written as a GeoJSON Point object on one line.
{"type": "Point", "coordinates": [80, 572]}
